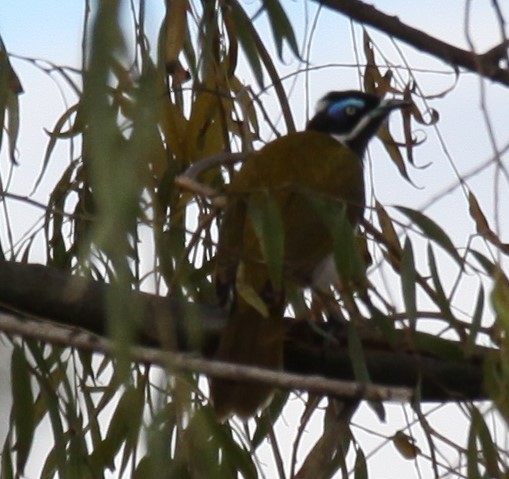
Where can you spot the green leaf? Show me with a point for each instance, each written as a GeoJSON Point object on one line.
{"type": "Point", "coordinates": [488, 448]}
{"type": "Point", "coordinates": [472, 451]}
{"type": "Point", "coordinates": [348, 258]}
{"type": "Point", "coordinates": [22, 406]}
{"type": "Point", "coordinates": [500, 300]}
{"type": "Point", "coordinates": [249, 294]}
{"type": "Point", "coordinates": [443, 302]}
{"type": "Point", "coordinates": [125, 418]}
{"type": "Point", "coordinates": [218, 437]}
{"type": "Point", "coordinates": [57, 458]}
{"type": "Point", "coordinates": [476, 322]}
{"type": "Point", "coordinates": [7, 468]}
{"type": "Point", "coordinates": [384, 324]}
{"type": "Point", "coordinates": [360, 368]}
{"type": "Point", "coordinates": [432, 231]}
{"type": "Point", "coordinates": [10, 88]}
{"type": "Point", "coordinates": [488, 265]}
{"type": "Point", "coordinates": [246, 40]}
{"type": "Point", "coordinates": [268, 418]}
{"type": "Point", "coordinates": [281, 27]}
{"type": "Point", "coordinates": [361, 469]}
{"type": "Point", "coordinates": [268, 226]}
{"type": "Point", "coordinates": [408, 278]}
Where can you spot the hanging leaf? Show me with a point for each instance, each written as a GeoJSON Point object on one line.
{"type": "Point", "coordinates": [247, 41]}
{"type": "Point", "coordinates": [482, 225]}
{"type": "Point", "coordinates": [390, 236]}
{"type": "Point", "coordinates": [472, 449]}
{"type": "Point", "coordinates": [432, 231]}
{"type": "Point", "coordinates": [10, 89]}
{"type": "Point", "coordinates": [349, 261]}
{"type": "Point", "coordinates": [282, 29]}
{"type": "Point", "coordinates": [244, 290]}
{"type": "Point", "coordinates": [392, 149]}
{"type": "Point", "coordinates": [476, 323]}
{"type": "Point", "coordinates": [408, 282]}
{"type": "Point", "coordinates": [500, 300]}
{"type": "Point", "coordinates": [443, 302]}
{"type": "Point", "coordinates": [489, 451]}
{"type": "Point", "coordinates": [268, 226]}
{"type": "Point", "coordinates": [405, 445]}
{"type": "Point", "coordinates": [22, 407]}
{"type": "Point", "coordinates": [360, 368]}
{"type": "Point", "coordinates": [372, 76]}
{"type": "Point", "coordinates": [176, 31]}
{"type": "Point", "coordinates": [361, 468]}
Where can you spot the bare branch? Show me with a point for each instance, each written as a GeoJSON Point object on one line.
{"type": "Point", "coordinates": [486, 64]}
{"type": "Point", "coordinates": [73, 337]}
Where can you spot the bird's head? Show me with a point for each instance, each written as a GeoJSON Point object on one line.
{"type": "Point", "coordinates": [352, 117]}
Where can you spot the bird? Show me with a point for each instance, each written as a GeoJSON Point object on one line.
{"type": "Point", "coordinates": [276, 187]}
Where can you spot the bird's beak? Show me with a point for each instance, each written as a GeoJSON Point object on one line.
{"type": "Point", "coordinates": [389, 105]}
{"type": "Point", "coordinates": [386, 106]}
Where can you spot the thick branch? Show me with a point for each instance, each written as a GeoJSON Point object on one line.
{"type": "Point", "coordinates": [44, 292]}
{"type": "Point", "coordinates": [486, 64]}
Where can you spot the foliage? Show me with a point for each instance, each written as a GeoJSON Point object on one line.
{"type": "Point", "coordinates": [142, 116]}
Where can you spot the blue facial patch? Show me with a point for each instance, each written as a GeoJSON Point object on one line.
{"type": "Point", "coordinates": [337, 109]}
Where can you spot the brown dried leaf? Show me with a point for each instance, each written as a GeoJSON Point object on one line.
{"type": "Point", "coordinates": [482, 225]}
{"type": "Point", "coordinates": [389, 232]}
{"type": "Point", "coordinates": [405, 445]}
{"type": "Point", "coordinates": [372, 76]}
{"type": "Point", "coordinates": [391, 147]}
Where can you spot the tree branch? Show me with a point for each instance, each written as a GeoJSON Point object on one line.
{"type": "Point", "coordinates": [70, 337]}
{"type": "Point", "coordinates": [486, 64]}
{"type": "Point", "coordinates": [312, 350]}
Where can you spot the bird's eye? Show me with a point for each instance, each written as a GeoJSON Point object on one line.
{"type": "Point", "coordinates": [351, 110]}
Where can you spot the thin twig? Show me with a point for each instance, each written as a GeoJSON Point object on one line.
{"type": "Point", "coordinates": [74, 337]}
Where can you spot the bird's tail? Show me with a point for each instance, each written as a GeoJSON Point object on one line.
{"type": "Point", "coordinates": [253, 336]}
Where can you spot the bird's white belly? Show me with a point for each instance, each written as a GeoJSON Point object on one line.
{"type": "Point", "coordinates": [325, 274]}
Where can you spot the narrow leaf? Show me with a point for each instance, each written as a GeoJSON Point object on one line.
{"type": "Point", "coordinates": [361, 468]}
{"type": "Point", "coordinates": [500, 300]}
{"type": "Point", "coordinates": [408, 278]}
{"type": "Point", "coordinates": [390, 235]}
{"type": "Point", "coordinates": [248, 293]}
{"type": "Point", "coordinates": [482, 225]}
{"type": "Point", "coordinates": [488, 448]}
{"type": "Point", "coordinates": [266, 220]}
{"type": "Point", "coordinates": [443, 302]}
{"type": "Point", "coordinates": [476, 322]}
{"type": "Point", "coordinates": [22, 406]}
{"type": "Point", "coordinates": [360, 368]}
{"type": "Point", "coordinates": [432, 230]}
{"type": "Point", "coordinates": [393, 151]}
{"type": "Point", "coordinates": [349, 261]}
{"type": "Point", "coordinates": [176, 31]}
{"type": "Point", "coordinates": [472, 451]}
{"type": "Point", "coordinates": [281, 27]}
{"type": "Point", "coordinates": [246, 39]}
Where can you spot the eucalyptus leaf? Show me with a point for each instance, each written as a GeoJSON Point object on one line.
{"type": "Point", "coordinates": [432, 231]}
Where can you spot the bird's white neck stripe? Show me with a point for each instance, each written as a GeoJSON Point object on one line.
{"type": "Point", "coordinates": [345, 138]}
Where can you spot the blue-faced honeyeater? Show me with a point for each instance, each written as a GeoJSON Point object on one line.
{"type": "Point", "coordinates": [326, 161]}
